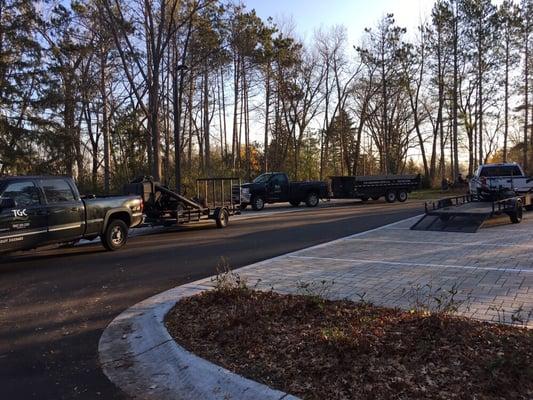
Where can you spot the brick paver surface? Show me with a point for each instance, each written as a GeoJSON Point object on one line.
{"type": "Point", "coordinates": [487, 275]}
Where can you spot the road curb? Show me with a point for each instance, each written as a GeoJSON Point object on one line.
{"type": "Point", "coordinates": [138, 355]}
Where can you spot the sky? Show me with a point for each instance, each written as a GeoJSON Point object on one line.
{"type": "Point", "coordinates": [356, 15]}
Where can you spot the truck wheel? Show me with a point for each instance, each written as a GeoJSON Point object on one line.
{"type": "Point", "coordinates": [312, 200]}
{"type": "Point", "coordinates": [221, 217]}
{"type": "Point", "coordinates": [294, 203]}
{"type": "Point", "coordinates": [115, 235]}
{"type": "Point", "coordinates": [390, 196]}
{"type": "Point", "coordinates": [402, 196]}
{"type": "Point", "coordinates": [258, 203]}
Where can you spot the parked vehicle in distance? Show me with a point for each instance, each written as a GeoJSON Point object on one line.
{"type": "Point", "coordinates": [392, 187]}
{"type": "Point", "coordinates": [44, 210]}
{"type": "Point", "coordinates": [275, 187]}
{"type": "Point", "coordinates": [490, 178]}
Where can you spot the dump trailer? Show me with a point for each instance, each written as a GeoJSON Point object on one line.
{"type": "Point", "coordinates": [216, 199]}
{"type": "Point", "coordinates": [469, 212]}
{"type": "Point", "coordinates": [392, 187]}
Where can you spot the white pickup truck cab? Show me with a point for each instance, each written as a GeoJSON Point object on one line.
{"type": "Point", "coordinates": [499, 177]}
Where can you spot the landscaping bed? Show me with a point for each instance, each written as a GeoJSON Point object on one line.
{"type": "Point", "coordinates": [318, 349]}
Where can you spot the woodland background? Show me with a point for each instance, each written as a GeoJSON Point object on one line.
{"type": "Point", "coordinates": [106, 90]}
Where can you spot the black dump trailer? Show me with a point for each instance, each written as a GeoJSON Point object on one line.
{"type": "Point", "coordinates": [215, 199]}
{"type": "Point", "coordinates": [392, 187]}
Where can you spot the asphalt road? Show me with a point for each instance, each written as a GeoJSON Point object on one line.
{"type": "Point", "coordinates": [54, 304]}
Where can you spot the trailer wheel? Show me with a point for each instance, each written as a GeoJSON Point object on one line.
{"type": "Point", "coordinates": [294, 203]}
{"type": "Point", "coordinates": [402, 196]}
{"type": "Point", "coordinates": [257, 203]}
{"type": "Point", "coordinates": [115, 235]}
{"type": "Point", "coordinates": [516, 215]}
{"type": "Point", "coordinates": [390, 196]}
{"type": "Point", "coordinates": [221, 217]}
{"type": "Point", "coordinates": [312, 200]}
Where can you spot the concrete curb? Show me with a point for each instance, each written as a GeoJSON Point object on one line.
{"type": "Point", "coordinates": [138, 354]}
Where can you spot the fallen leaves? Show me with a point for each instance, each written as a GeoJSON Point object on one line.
{"type": "Point", "coordinates": [345, 350]}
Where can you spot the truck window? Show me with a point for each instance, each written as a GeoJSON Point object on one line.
{"type": "Point", "coordinates": [505, 170]}
{"type": "Point", "coordinates": [57, 191]}
{"type": "Point", "coordinates": [278, 180]}
{"type": "Point", "coordinates": [25, 194]}
{"type": "Point", "coordinates": [262, 178]}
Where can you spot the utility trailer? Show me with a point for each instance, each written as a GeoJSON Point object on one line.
{"type": "Point", "coordinates": [216, 199]}
{"type": "Point", "coordinates": [469, 212]}
{"type": "Point", "coordinates": [392, 187]}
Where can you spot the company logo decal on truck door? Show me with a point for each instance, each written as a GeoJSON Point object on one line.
{"type": "Point", "coordinates": [19, 213]}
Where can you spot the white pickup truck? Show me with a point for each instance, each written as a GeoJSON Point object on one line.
{"type": "Point", "coordinates": [490, 178]}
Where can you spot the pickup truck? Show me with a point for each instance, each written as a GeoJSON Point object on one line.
{"type": "Point", "coordinates": [491, 178]}
{"type": "Point", "coordinates": [44, 210]}
{"type": "Point", "coordinates": [275, 187]}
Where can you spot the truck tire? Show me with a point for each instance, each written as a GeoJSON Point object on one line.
{"type": "Point", "coordinates": [312, 199]}
{"type": "Point", "coordinates": [115, 235]}
{"type": "Point", "coordinates": [294, 203]}
{"type": "Point", "coordinates": [390, 196]}
{"type": "Point", "coordinates": [402, 196]}
{"type": "Point", "coordinates": [257, 203]}
{"type": "Point", "coordinates": [221, 217]}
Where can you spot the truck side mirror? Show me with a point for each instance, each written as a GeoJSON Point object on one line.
{"type": "Point", "coordinates": [7, 203]}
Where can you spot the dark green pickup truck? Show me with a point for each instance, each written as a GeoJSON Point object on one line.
{"type": "Point", "coordinates": [43, 210]}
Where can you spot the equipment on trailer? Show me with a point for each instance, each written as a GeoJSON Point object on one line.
{"type": "Point", "coordinates": [392, 187]}
{"type": "Point", "coordinates": [216, 199]}
{"type": "Point", "coordinates": [469, 212]}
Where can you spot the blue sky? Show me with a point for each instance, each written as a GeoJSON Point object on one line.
{"type": "Point", "coordinates": [356, 15]}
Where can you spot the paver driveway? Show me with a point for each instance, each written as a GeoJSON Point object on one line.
{"type": "Point", "coordinates": [491, 271]}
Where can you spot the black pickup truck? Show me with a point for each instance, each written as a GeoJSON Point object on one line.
{"type": "Point", "coordinates": [44, 210]}
{"type": "Point", "coordinates": [275, 187]}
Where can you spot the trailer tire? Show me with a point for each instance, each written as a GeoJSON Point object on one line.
{"type": "Point", "coordinates": [221, 217]}
{"type": "Point", "coordinates": [312, 199]}
{"type": "Point", "coordinates": [390, 196]}
{"type": "Point", "coordinates": [115, 235]}
{"type": "Point", "coordinates": [402, 196]}
{"type": "Point", "coordinates": [294, 203]}
{"type": "Point", "coordinates": [517, 214]}
{"type": "Point", "coordinates": [257, 203]}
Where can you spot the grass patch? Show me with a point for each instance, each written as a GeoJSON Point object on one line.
{"type": "Point", "coordinates": [345, 350]}
{"type": "Point", "coordinates": [436, 194]}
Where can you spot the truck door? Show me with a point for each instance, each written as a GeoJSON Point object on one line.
{"type": "Point", "coordinates": [22, 217]}
{"type": "Point", "coordinates": [66, 212]}
{"type": "Point", "coordinates": [278, 188]}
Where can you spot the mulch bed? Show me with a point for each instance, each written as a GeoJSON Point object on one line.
{"type": "Point", "coordinates": [317, 349]}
